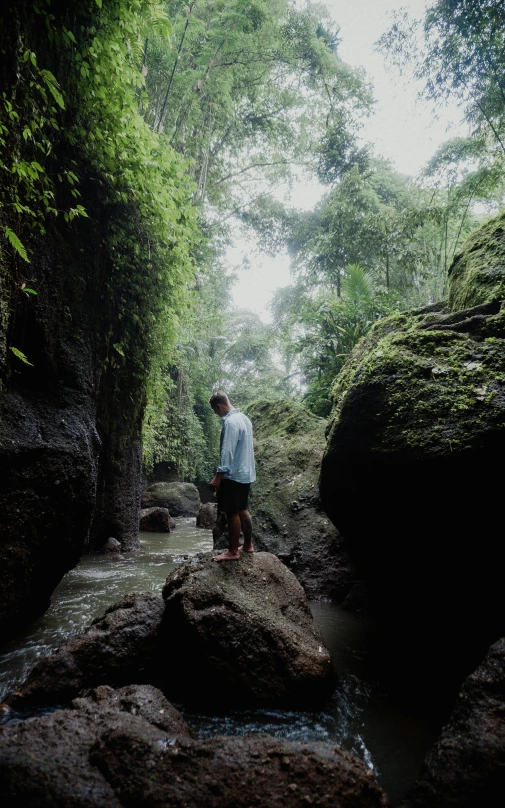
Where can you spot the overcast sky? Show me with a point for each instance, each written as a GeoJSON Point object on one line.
{"type": "Point", "coordinates": [403, 129]}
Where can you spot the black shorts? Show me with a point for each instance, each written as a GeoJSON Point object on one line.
{"type": "Point", "coordinates": [233, 497]}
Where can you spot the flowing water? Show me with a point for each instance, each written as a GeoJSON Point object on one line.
{"type": "Point", "coordinates": [360, 716]}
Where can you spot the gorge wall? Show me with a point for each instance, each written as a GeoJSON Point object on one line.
{"type": "Point", "coordinates": [70, 417]}
{"type": "Point", "coordinates": [412, 472]}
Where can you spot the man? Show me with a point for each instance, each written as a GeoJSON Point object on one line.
{"type": "Point", "coordinates": [235, 473]}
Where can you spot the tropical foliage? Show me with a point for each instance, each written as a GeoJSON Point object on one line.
{"type": "Point", "coordinates": [87, 107]}
{"type": "Point", "coordinates": [189, 118]}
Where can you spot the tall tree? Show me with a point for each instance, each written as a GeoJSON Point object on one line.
{"type": "Point", "coordinates": [459, 52]}
{"type": "Point", "coordinates": [246, 89]}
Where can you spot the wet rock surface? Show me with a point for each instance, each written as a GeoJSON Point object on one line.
{"type": "Point", "coordinates": [49, 454]}
{"type": "Point", "coordinates": [112, 545]}
{"type": "Point", "coordinates": [120, 648]}
{"type": "Point", "coordinates": [45, 761]}
{"type": "Point", "coordinates": [130, 747]}
{"type": "Point", "coordinates": [244, 628]}
{"type": "Point", "coordinates": [181, 499]}
{"type": "Point", "coordinates": [466, 767]}
{"type": "Point", "coordinates": [242, 772]}
{"type": "Point", "coordinates": [409, 475]}
{"type": "Point", "coordinates": [157, 520]}
{"type": "Point", "coordinates": [288, 519]}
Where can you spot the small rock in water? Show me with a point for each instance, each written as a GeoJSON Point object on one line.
{"type": "Point", "coordinates": [157, 520]}
{"type": "Point", "coordinates": [111, 546]}
{"type": "Point", "coordinates": [207, 515]}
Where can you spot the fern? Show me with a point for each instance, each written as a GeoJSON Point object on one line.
{"type": "Point", "coordinates": [20, 355]}
{"type": "Point", "coordinates": [16, 243]}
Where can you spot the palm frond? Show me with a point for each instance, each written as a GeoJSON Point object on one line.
{"type": "Point", "coordinates": [357, 285]}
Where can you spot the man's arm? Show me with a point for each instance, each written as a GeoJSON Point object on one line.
{"type": "Point", "coordinates": [216, 480]}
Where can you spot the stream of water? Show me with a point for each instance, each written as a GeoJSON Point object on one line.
{"type": "Point", "coordinates": [360, 716]}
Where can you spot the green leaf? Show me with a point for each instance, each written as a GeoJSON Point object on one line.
{"type": "Point", "coordinates": [99, 3]}
{"type": "Point", "coordinates": [56, 95]}
{"type": "Point", "coordinates": [30, 291]}
{"type": "Point", "coordinates": [20, 355]}
{"type": "Point", "coordinates": [16, 243]}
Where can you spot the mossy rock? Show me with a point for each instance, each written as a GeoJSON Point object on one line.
{"type": "Point", "coordinates": [421, 385]}
{"type": "Point", "coordinates": [412, 474]}
{"type": "Point", "coordinates": [181, 499]}
{"type": "Point", "coordinates": [285, 506]}
{"type": "Point", "coordinates": [477, 274]}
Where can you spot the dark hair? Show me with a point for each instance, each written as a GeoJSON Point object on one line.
{"type": "Point", "coordinates": [219, 397]}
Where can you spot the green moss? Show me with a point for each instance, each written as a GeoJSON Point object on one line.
{"type": "Point", "coordinates": [289, 443]}
{"type": "Point", "coordinates": [432, 390]}
{"type": "Point", "coordinates": [283, 418]}
{"type": "Point", "coordinates": [477, 274]}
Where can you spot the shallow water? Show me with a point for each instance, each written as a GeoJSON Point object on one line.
{"type": "Point", "coordinates": [360, 716]}
{"type": "Point", "coordinates": [94, 584]}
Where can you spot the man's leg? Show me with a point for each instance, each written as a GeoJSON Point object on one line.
{"type": "Point", "coordinates": [234, 532]}
{"type": "Point", "coordinates": [246, 524]}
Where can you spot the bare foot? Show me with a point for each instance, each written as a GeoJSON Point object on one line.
{"type": "Point", "coordinates": [227, 556]}
{"type": "Point", "coordinates": [246, 549]}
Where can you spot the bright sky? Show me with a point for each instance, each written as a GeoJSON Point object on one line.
{"type": "Point", "coordinates": [403, 129]}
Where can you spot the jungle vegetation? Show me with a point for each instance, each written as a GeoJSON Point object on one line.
{"type": "Point", "coordinates": [194, 114]}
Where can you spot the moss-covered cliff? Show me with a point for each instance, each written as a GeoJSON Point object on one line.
{"type": "Point", "coordinates": [411, 474]}
{"type": "Point", "coordinates": [287, 516]}
{"type": "Point", "coordinates": [95, 219]}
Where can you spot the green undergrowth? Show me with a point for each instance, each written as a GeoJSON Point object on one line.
{"type": "Point", "coordinates": [289, 443]}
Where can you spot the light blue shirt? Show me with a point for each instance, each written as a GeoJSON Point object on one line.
{"type": "Point", "coordinates": [236, 459]}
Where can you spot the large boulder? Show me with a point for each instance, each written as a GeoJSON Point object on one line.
{"type": "Point", "coordinates": [411, 472]}
{"type": "Point", "coordinates": [120, 648]}
{"type": "Point", "coordinates": [244, 629]}
{"type": "Point", "coordinates": [130, 747]}
{"type": "Point", "coordinates": [46, 761]}
{"type": "Point", "coordinates": [243, 625]}
{"type": "Point", "coordinates": [288, 519]}
{"type": "Point", "coordinates": [466, 767]}
{"type": "Point", "coordinates": [181, 499]}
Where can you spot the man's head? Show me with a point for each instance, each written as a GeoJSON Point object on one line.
{"type": "Point", "coordinates": [220, 403]}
